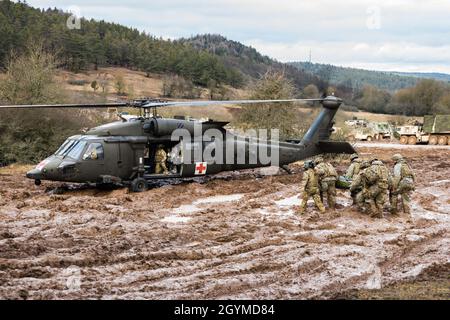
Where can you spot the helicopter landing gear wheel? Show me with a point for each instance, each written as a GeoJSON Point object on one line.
{"type": "Point", "coordinates": [37, 182]}
{"type": "Point", "coordinates": [138, 185]}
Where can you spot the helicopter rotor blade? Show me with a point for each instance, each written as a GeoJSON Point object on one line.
{"type": "Point", "coordinates": [330, 102]}
{"type": "Point", "coordinates": [53, 106]}
{"type": "Point", "coordinates": [220, 102]}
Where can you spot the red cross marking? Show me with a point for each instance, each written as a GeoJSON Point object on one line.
{"type": "Point", "coordinates": [200, 168]}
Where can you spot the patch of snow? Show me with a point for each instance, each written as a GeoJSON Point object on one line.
{"type": "Point", "coordinates": [291, 201]}
{"type": "Point", "coordinates": [219, 199]}
{"type": "Point", "coordinates": [175, 219]}
{"type": "Point", "coordinates": [187, 208]}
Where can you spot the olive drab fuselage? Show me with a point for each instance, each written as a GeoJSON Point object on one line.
{"type": "Point", "coordinates": [121, 151]}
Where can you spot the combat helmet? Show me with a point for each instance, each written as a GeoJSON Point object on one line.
{"type": "Point", "coordinates": [354, 156]}
{"type": "Point", "coordinates": [397, 157]}
{"type": "Point", "coordinates": [308, 164]}
{"type": "Point", "coordinates": [318, 160]}
{"type": "Point", "coordinates": [365, 164]}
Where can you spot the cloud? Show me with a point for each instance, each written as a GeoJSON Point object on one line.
{"type": "Point", "coordinates": [401, 34]}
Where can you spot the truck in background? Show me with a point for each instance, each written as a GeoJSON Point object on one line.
{"type": "Point", "coordinates": [362, 130]}
{"type": "Point", "coordinates": [435, 130]}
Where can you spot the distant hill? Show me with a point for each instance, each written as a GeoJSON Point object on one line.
{"type": "Point", "coordinates": [248, 60]}
{"type": "Point", "coordinates": [426, 75]}
{"type": "Point", "coordinates": [357, 78]}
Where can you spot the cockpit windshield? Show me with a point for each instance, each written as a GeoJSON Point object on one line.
{"type": "Point", "coordinates": [76, 150]}
{"type": "Point", "coordinates": [65, 147]}
{"type": "Point", "coordinates": [71, 148]}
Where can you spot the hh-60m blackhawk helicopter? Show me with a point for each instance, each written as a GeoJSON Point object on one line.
{"type": "Point", "coordinates": [124, 151]}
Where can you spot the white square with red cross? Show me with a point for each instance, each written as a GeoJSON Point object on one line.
{"type": "Point", "coordinates": [200, 168]}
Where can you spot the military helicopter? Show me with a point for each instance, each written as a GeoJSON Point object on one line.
{"type": "Point", "coordinates": [123, 152]}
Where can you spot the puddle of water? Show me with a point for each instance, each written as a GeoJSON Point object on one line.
{"type": "Point", "coordinates": [175, 219]}
{"type": "Point", "coordinates": [291, 201]}
{"type": "Point", "coordinates": [439, 182]}
{"type": "Point", "coordinates": [219, 199]}
{"type": "Point", "coordinates": [266, 212]}
{"type": "Point", "coordinates": [187, 208]}
{"type": "Point", "coordinates": [192, 208]}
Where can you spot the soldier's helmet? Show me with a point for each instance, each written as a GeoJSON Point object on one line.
{"type": "Point", "coordinates": [160, 146]}
{"type": "Point", "coordinates": [354, 156]}
{"type": "Point", "coordinates": [365, 164]}
{"type": "Point", "coordinates": [318, 160]}
{"type": "Point", "coordinates": [397, 157]}
{"type": "Point", "coordinates": [307, 164]}
{"type": "Point", "coordinates": [372, 160]}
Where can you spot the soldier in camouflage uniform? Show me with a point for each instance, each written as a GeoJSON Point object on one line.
{"type": "Point", "coordinates": [310, 188]}
{"type": "Point", "coordinates": [354, 167]}
{"type": "Point", "coordinates": [359, 186]}
{"type": "Point", "coordinates": [402, 184]}
{"type": "Point", "coordinates": [327, 181]}
{"type": "Point", "coordinates": [160, 160]}
{"type": "Point", "coordinates": [377, 178]}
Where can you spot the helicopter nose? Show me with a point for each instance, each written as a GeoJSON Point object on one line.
{"type": "Point", "coordinates": [34, 174]}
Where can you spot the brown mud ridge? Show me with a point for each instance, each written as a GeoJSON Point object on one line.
{"type": "Point", "coordinates": [222, 239]}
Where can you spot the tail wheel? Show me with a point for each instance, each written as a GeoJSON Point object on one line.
{"type": "Point", "coordinates": [442, 140]}
{"type": "Point", "coordinates": [412, 140]}
{"type": "Point", "coordinates": [138, 185]}
{"type": "Point", "coordinates": [369, 138]}
{"type": "Point", "coordinates": [433, 140]}
{"type": "Point", "coordinates": [403, 139]}
{"type": "Point", "coordinates": [351, 138]}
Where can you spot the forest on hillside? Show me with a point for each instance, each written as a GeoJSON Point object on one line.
{"type": "Point", "coordinates": [98, 43]}
{"type": "Point", "coordinates": [357, 78]}
{"type": "Point", "coordinates": [207, 60]}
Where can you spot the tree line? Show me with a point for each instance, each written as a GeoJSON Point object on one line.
{"type": "Point", "coordinates": [98, 43]}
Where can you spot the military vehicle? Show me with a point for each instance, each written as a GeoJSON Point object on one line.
{"type": "Point", "coordinates": [123, 152]}
{"type": "Point", "coordinates": [362, 130]}
{"type": "Point", "coordinates": [434, 130]}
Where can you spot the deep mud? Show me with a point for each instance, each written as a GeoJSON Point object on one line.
{"type": "Point", "coordinates": [224, 238]}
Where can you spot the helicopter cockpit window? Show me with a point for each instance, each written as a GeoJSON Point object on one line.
{"type": "Point", "coordinates": [94, 152]}
{"type": "Point", "coordinates": [76, 149]}
{"type": "Point", "coordinates": [65, 147]}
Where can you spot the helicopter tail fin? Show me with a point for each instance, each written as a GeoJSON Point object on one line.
{"type": "Point", "coordinates": [316, 139]}
{"type": "Point", "coordinates": [321, 128]}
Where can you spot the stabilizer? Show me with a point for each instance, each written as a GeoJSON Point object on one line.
{"type": "Point", "coordinates": [335, 147]}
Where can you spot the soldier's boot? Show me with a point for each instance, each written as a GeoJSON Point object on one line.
{"type": "Point", "coordinates": [332, 201]}
{"type": "Point", "coordinates": [302, 208]}
{"type": "Point", "coordinates": [405, 204]}
{"type": "Point", "coordinates": [373, 210]}
{"type": "Point", "coordinates": [319, 203]}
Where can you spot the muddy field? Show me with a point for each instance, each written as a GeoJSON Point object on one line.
{"type": "Point", "coordinates": [223, 239]}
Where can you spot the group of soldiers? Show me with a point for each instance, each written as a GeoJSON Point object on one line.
{"type": "Point", "coordinates": [371, 184]}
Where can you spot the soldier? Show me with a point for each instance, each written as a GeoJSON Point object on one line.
{"type": "Point", "coordinates": [327, 180]}
{"type": "Point", "coordinates": [359, 186]}
{"type": "Point", "coordinates": [354, 167]}
{"type": "Point", "coordinates": [160, 160]}
{"type": "Point", "coordinates": [402, 184]}
{"type": "Point", "coordinates": [310, 188]}
{"type": "Point", "coordinates": [377, 178]}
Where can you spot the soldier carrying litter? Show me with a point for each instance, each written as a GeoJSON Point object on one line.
{"type": "Point", "coordinates": [327, 181]}
{"type": "Point", "coordinates": [402, 184]}
{"type": "Point", "coordinates": [354, 167]}
{"type": "Point", "coordinates": [377, 178]}
{"type": "Point", "coordinates": [358, 188]}
{"type": "Point", "coordinates": [310, 188]}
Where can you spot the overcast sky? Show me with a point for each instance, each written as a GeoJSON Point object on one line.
{"type": "Point", "coordinates": [402, 35]}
